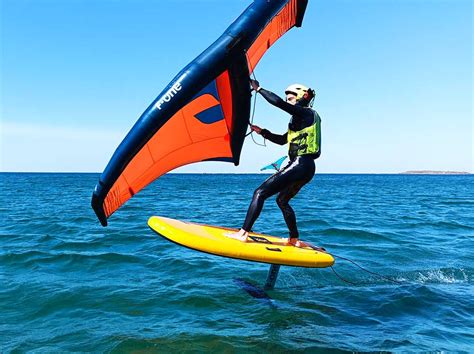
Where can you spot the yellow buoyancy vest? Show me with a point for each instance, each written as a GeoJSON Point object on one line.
{"type": "Point", "coordinates": [307, 140]}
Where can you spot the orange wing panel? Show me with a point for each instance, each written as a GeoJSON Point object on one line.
{"type": "Point", "coordinates": [277, 27]}
{"type": "Point", "coordinates": [197, 130]}
{"type": "Point", "coordinates": [182, 140]}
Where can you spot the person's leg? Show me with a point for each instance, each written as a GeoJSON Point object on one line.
{"type": "Point", "coordinates": [287, 211]}
{"type": "Point", "coordinates": [307, 167]}
{"type": "Point", "coordinates": [271, 186]}
{"type": "Point", "coordinates": [267, 189]}
{"type": "Point", "coordinates": [280, 181]}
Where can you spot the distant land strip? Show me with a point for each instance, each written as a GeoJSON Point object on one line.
{"type": "Point", "coordinates": [428, 172]}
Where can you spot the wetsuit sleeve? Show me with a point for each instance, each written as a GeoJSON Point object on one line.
{"type": "Point", "coordinates": [280, 103]}
{"type": "Point", "coordinates": [275, 138]}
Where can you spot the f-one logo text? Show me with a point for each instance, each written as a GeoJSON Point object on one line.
{"type": "Point", "coordinates": [170, 93]}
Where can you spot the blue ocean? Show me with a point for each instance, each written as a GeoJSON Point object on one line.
{"type": "Point", "coordinates": [70, 285]}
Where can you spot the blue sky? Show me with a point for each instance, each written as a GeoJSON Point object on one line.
{"type": "Point", "coordinates": [393, 79]}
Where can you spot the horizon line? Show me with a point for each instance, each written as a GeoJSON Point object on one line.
{"type": "Point", "coordinates": [414, 172]}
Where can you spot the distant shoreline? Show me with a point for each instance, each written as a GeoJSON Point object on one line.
{"type": "Point", "coordinates": [428, 172]}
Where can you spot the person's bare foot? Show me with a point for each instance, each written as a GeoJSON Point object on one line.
{"type": "Point", "coordinates": [295, 242]}
{"type": "Point", "coordinates": [240, 235]}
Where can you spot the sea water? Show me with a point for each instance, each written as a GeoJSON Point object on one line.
{"type": "Point", "coordinates": [68, 284]}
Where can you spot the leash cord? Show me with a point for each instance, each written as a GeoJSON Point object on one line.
{"type": "Point", "coordinates": [364, 269]}
{"type": "Point", "coordinates": [341, 278]}
{"type": "Point", "coordinates": [319, 249]}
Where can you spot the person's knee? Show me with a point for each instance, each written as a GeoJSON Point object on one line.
{"type": "Point", "coordinates": [282, 203]}
{"type": "Point", "coordinates": [260, 194]}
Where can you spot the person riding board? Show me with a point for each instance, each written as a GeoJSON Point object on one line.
{"type": "Point", "coordinates": [304, 146]}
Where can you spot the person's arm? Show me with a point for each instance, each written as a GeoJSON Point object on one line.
{"type": "Point", "coordinates": [275, 138]}
{"type": "Point", "coordinates": [280, 103]}
{"type": "Point", "coordinates": [275, 100]}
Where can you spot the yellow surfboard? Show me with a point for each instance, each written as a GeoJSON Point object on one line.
{"type": "Point", "coordinates": [259, 248]}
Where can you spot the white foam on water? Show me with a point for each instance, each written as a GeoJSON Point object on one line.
{"type": "Point", "coordinates": [451, 276]}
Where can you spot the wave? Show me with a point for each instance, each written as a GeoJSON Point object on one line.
{"type": "Point", "coordinates": [229, 342]}
{"type": "Point", "coordinates": [354, 233]}
{"type": "Point", "coordinates": [31, 258]}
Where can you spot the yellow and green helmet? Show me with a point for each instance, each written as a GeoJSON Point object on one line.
{"type": "Point", "coordinates": [301, 92]}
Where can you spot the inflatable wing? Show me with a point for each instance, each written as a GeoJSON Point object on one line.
{"type": "Point", "coordinates": [204, 111]}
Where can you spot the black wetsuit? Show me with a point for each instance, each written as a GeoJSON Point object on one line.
{"type": "Point", "coordinates": [289, 180]}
